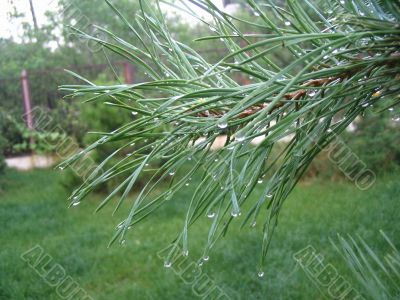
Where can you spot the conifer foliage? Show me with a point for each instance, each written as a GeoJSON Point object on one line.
{"type": "Point", "coordinates": [343, 58]}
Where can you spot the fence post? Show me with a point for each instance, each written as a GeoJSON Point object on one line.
{"type": "Point", "coordinates": [27, 100]}
{"type": "Point", "coordinates": [128, 73]}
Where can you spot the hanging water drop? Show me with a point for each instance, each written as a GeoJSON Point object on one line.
{"type": "Point", "coordinates": [287, 23]}
{"type": "Point", "coordinates": [240, 138]}
{"type": "Point", "coordinates": [210, 215]}
{"type": "Point", "coordinates": [206, 258]}
{"type": "Point", "coordinates": [366, 104]}
{"type": "Point", "coordinates": [260, 274]}
{"type": "Point", "coordinates": [312, 93]}
{"type": "Point", "coordinates": [172, 173]}
{"type": "Point", "coordinates": [76, 203]}
{"type": "Point", "coordinates": [222, 124]}
{"type": "Point", "coordinates": [235, 214]}
{"type": "Point", "coordinates": [396, 119]}
{"type": "Point", "coordinates": [260, 181]}
{"type": "Point", "coordinates": [185, 252]}
{"type": "Point", "coordinates": [134, 113]}
{"type": "Point", "coordinates": [167, 264]}
{"type": "Point", "coordinates": [253, 224]}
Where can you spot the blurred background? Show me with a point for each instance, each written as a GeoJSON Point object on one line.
{"type": "Point", "coordinates": [36, 46]}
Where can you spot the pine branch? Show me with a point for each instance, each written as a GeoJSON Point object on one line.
{"type": "Point", "coordinates": [340, 60]}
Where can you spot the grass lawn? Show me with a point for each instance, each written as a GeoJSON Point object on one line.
{"type": "Point", "coordinates": [33, 210]}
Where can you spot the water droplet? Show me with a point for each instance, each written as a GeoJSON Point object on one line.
{"type": "Point", "coordinates": [206, 258]}
{"type": "Point", "coordinates": [391, 109]}
{"type": "Point", "coordinates": [396, 119]}
{"type": "Point", "coordinates": [216, 159]}
{"type": "Point", "coordinates": [187, 183]}
{"type": "Point", "coordinates": [287, 23]}
{"type": "Point", "coordinates": [268, 195]}
{"type": "Point", "coordinates": [240, 138]}
{"type": "Point", "coordinates": [235, 214]}
{"type": "Point", "coordinates": [200, 263]}
{"type": "Point", "coordinates": [132, 144]}
{"type": "Point", "coordinates": [167, 264]}
{"type": "Point", "coordinates": [210, 215]}
{"type": "Point", "coordinates": [366, 104]}
{"type": "Point", "coordinates": [260, 181]}
{"type": "Point", "coordinates": [189, 158]}
{"type": "Point", "coordinates": [146, 165]}
{"type": "Point", "coordinates": [253, 224]}
{"type": "Point", "coordinates": [76, 203]}
{"type": "Point", "coordinates": [172, 173]}
{"type": "Point", "coordinates": [281, 78]}
{"type": "Point", "coordinates": [123, 242]}
{"type": "Point", "coordinates": [325, 56]}
{"type": "Point", "coordinates": [260, 274]}
{"type": "Point", "coordinates": [312, 93]}
{"type": "Point", "coordinates": [222, 124]}
{"type": "Point", "coordinates": [61, 168]}
{"type": "Point", "coordinates": [230, 147]}
{"type": "Point", "coordinates": [134, 113]}
{"type": "Point", "coordinates": [170, 49]}
{"type": "Point", "coordinates": [212, 29]}
{"type": "Point", "coordinates": [256, 14]}
{"type": "Point", "coordinates": [342, 2]}
{"type": "Point", "coordinates": [185, 252]}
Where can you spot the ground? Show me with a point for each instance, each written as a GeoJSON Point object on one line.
{"type": "Point", "coordinates": [33, 211]}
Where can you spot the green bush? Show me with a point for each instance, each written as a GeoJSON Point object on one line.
{"type": "Point", "coordinates": [376, 142]}
{"type": "Point", "coordinates": [18, 139]}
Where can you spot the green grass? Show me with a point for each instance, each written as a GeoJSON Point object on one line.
{"type": "Point", "coordinates": [33, 211]}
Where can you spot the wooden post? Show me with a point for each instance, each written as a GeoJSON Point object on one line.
{"type": "Point", "coordinates": [128, 73]}
{"type": "Point", "coordinates": [27, 99]}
